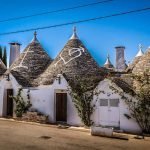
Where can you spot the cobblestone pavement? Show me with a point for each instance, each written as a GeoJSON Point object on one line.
{"type": "Point", "coordinates": [22, 136]}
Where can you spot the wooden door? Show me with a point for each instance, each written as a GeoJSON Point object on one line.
{"type": "Point", "coordinates": [9, 102]}
{"type": "Point", "coordinates": [61, 107]}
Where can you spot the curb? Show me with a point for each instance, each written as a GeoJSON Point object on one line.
{"type": "Point", "coordinates": [82, 129]}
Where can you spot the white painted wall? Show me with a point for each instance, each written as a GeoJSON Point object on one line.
{"type": "Point", "coordinates": [4, 85]}
{"type": "Point", "coordinates": [1, 97]}
{"type": "Point", "coordinates": [43, 99]}
{"type": "Point", "coordinates": [128, 125]}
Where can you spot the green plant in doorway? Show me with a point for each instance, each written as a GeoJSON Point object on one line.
{"type": "Point", "coordinates": [21, 105]}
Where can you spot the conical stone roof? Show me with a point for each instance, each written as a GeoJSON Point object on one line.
{"type": "Point", "coordinates": [3, 68]}
{"type": "Point", "coordinates": [140, 52]}
{"type": "Point", "coordinates": [143, 64]}
{"type": "Point", "coordinates": [73, 61]}
{"type": "Point", "coordinates": [31, 63]}
{"type": "Point", "coordinates": [136, 59]}
{"type": "Point", "coordinates": [108, 63]}
{"type": "Point", "coordinates": [133, 64]}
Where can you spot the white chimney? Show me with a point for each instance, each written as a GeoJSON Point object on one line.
{"type": "Point", "coordinates": [14, 52]}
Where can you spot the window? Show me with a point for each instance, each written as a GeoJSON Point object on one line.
{"type": "Point", "coordinates": [109, 102]}
{"type": "Point", "coordinates": [103, 102]}
{"type": "Point", "coordinates": [114, 102]}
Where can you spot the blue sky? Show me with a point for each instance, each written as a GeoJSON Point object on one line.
{"type": "Point", "coordinates": [100, 36]}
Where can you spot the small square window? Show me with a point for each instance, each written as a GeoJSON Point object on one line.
{"type": "Point", "coordinates": [103, 102]}
{"type": "Point", "coordinates": [114, 102]}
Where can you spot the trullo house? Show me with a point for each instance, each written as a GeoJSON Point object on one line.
{"type": "Point", "coordinates": [45, 82]}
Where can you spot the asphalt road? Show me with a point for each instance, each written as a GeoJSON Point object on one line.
{"type": "Point", "coordinates": [22, 136]}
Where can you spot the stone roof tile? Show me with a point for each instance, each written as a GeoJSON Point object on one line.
{"type": "Point", "coordinates": [127, 88]}
{"type": "Point", "coordinates": [3, 68]}
{"type": "Point", "coordinates": [31, 63]}
{"type": "Point", "coordinates": [143, 64]}
{"type": "Point", "coordinates": [74, 60]}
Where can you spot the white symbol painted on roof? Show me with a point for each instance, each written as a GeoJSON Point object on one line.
{"type": "Point", "coordinates": [21, 63]}
{"type": "Point", "coordinates": [72, 51]}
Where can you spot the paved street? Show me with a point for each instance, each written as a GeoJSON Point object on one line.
{"type": "Point", "coordinates": [22, 136]}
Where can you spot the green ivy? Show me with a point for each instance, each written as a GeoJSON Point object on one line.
{"type": "Point", "coordinates": [139, 102]}
{"type": "Point", "coordinates": [82, 95]}
{"type": "Point", "coordinates": [21, 105]}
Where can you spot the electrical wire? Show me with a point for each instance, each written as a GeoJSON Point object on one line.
{"type": "Point", "coordinates": [79, 21]}
{"type": "Point", "coordinates": [56, 11]}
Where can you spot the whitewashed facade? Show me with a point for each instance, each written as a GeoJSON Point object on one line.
{"type": "Point", "coordinates": [111, 109]}
{"type": "Point", "coordinates": [43, 98]}
{"type": "Point", "coordinates": [74, 59]}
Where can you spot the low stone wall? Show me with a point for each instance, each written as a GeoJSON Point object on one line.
{"type": "Point", "coordinates": [35, 117]}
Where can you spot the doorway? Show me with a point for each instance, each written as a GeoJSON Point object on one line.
{"type": "Point", "coordinates": [61, 107]}
{"type": "Point", "coordinates": [9, 111]}
{"type": "Point", "coordinates": [109, 114]}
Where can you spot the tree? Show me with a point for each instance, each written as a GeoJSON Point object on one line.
{"type": "Point", "coordinates": [139, 102]}
{"type": "Point", "coordinates": [4, 59]}
{"type": "Point", "coordinates": [0, 52]}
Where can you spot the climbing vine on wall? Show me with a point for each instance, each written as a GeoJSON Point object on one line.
{"type": "Point", "coordinates": [139, 100]}
{"type": "Point", "coordinates": [82, 95]}
{"type": "Point", "coordinates": [21, 105]}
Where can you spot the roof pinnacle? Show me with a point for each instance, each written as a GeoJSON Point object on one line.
{"type": "Point", "coordinates": [108, 63]}
{"type": "Point", "coordinates": [140, 52]}
{"type": "Point", "coordinates": [74, 29]}
{"type": "Point", "coordinates": [107, 60]}
{"type": "Point", "coordinates": [35, 34]}
{"type": "Point", "coordinates": [107, 56]}
{"type": "Point", "coordinates": [35, 40]}
{"type": "Point", "coordinates": [74, 35]}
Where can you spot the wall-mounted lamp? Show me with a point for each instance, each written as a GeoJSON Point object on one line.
{"type": "Point", "coordinates": [7, 76]}
{"type": "Point", "coordinates": [58, 77]}
{"type": "Point", "coordinates": [108, 94]}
